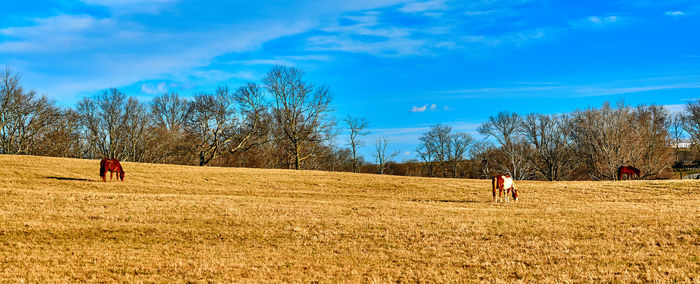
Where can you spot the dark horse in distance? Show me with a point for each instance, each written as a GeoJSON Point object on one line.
{"type": "Point", "coordinates": [111, 165]}
{"type": "Point", "coordinates": [629, 171]}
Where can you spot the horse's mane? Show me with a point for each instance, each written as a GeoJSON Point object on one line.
{"type": "Point", "coordinates": [120, 169]}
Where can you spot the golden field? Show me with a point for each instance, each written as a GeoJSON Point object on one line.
{"type": "Point", "coordinates": [59, 222]}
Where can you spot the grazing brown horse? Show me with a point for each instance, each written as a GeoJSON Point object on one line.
{"type": "Point", "coordinates": [111, 165]}
{"type": "Point", "coordinates": [629, 171]}
{"type": "Point", "coordinates": [505, 185]}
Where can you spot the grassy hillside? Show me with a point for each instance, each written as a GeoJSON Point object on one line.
{"type": "Point", "coordinates": [59, 222]}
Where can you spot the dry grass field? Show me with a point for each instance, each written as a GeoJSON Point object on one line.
{"type": "Point", "coordinates": [178, 223]}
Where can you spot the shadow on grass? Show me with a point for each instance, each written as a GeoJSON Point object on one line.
{"type": "Point", "coordinates": [67, 178]}
{"type": "Point", "coordinates": [445, 200]}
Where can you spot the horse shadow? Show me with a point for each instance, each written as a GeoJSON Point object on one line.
{"type": "Point", "coordinates": [445, 200]}
{"type": "Point", "coordinates": [71, 179]}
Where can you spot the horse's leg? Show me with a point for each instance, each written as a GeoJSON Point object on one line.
{"type": "Point", "coordinates": [111, 174]}
{"type": "Point", "coordinates": [510, 194]}
{"type": "Point", "coordinates": [494, 194]}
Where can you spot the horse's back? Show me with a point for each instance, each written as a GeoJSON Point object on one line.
{"type": "Point", "coordinates": [507, 182]}
{"type": "Point", "coordinates": [502, 181]}
{"type": "Point", "coordinates": [110, 164]}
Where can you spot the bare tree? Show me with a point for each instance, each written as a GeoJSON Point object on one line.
{"type": "Point", "coordinates": [552, 157]}
{"type": "Point", "coordinates": [505, 128]}
{"type": "Point", "coordinates": [603, 139]}
{"type": "Point", "coordinates": [24, 117]}
{"type": "Point", "coordinates": [382, 155]}
{"type": "Point", "coordinates": [138, 134]}
{"type": "Point", "coordinates": [607, 138]}
{"type": "Point", "coordinates": [486, 156]}
{"type": "Point", "coordinates": [224, 121]}
{"type": "Point", "coordinates": [691, 121]}
{"type": "Point", "coordinates": [444, 149]}
{"type": "Point", "coordinates": [300, 111]}
{"type": "Point", "coordinates": [676, 130]}
{"type": "Point", "coordinates": [427, 152]}
{"type": "Point", "coordinates": [62, 138]}
{"type": "Point", "coordinates": [460, 145]}
{"type": "Point", "coordinates": [105, 121]}
{"type": "Point", "coordinates": [653, 154]}
{"type": "Point", "coordinates": [169, 114]}
{"type": "Point", "coordinates": [678, 135]}
{"type": "Point", "coordinates": [439, 136]}
{"type": "Point", "coordinates": [357, 127]}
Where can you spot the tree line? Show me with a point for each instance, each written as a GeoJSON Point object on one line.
{"type": "Point", "coordinates": [282, 122]}
{"type": "Point", "coordinates": [585, 144]}
{"type": "Point", "coordinates": [285, 121]}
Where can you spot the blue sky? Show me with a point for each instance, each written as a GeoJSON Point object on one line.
{"type": "Point", "coordinates": [404, 65]}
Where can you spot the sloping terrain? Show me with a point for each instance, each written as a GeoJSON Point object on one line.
{"type": "Point", "coordinates": [59, 222]}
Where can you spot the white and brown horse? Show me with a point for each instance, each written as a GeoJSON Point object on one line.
{"type": "Point", "coordinates": [505, 186]}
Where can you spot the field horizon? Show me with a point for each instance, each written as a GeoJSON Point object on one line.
{"type": "Point", "coordinates": [189, 223]}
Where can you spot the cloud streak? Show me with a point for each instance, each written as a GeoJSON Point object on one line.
{"type": "Point", "coordinates": [675, 13]}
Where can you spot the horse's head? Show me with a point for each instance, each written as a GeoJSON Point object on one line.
{"type": "Point", "coordinates": [121, 175]}
{"type": "Point", "coordinates": [515, 194]}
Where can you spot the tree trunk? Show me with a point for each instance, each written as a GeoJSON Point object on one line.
{"type": "Point", "coordinates": [297, 161]}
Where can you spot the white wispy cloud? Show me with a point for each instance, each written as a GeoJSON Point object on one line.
{"type": "Point", "coordinates": [132, 6]}
{"type": "Point", "coordinates": [586, 91]}
{"type": "Point", "coordinates": [107, 57]}
{"type": "Point", "coordinates": [563, 90]}
{"type": "Point", "coordinates": [125, 2]}
{"type": "Point", "coordinates": [389, 47]}
{"type": "Point", "coordinates": [674, 13]}
{"type": "Point", "coordinates": [423, 6]}
{"type": "Point", "coordinates": [602, 20]}
{"type": "Point", "coordinates": [428, 107]}
{"type": "Point", "coordinates": [284, 60]}
{"type": "Point", "coordinates": [92, 52]}
{"type": "Point", "coordinates": [598, 22]}
{"type": "Point", "coordinates": [386, 40]}
{"type": "Point", "coordinates": [58, 33]}
{"type": "Point", "coordinates": [482, 12]}
{"type": "Point", "coordinates": [419, 108]}
{"type": "Point", "coordinates": [161, 88]}
{"type": "Point", "coordinates": [262, 62]}
{"type": "Point", "coordinates": [675, 108]}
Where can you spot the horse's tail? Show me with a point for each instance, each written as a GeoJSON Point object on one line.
{"type": "Point", "coordinates": [102, 168]}
{"type": "Point", "coordinates": [619, 172]}
{"type": "Point", "coordinates": [494, 185]}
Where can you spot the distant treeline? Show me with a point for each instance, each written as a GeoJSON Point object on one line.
{"type": "Point", "coordinates": [285, 121]}
{"type": "Point", "coordinates": [585, 144]}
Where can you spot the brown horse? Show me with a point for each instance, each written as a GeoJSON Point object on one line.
{"type": "Point", "coordinates": [629, 171]}
{"type": "Point", "coordinates": [505, 185]}
{"type": "Point", "coordinates": [111, 165]}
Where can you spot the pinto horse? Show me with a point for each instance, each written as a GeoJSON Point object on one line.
{"type": "Point", "coordinates": [111, 165]}
{"type": "Point", "coordinates": [505, 185]}
{"type": "Point", "coordinates": [629, 171]}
